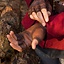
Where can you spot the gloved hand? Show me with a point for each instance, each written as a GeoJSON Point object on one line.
{"type": "Point", "coordinates": [27, 38]}
{"type": "Point", "coordinates": [40, 10]}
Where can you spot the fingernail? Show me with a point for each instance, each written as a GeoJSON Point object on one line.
{"type": "Point", "coordinates": [43, 24]}
{"type": "Point", "coordinates": [47, 20]}
{"type": "Point", "coordinates": [34, 43]}
{"type": "Point", "coordinates": [33, 48]}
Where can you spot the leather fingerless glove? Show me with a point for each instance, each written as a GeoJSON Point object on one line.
{"type": "Point", "coordinates": [37, 5]}
{"type": "Point", "coordinates": [35, 32]}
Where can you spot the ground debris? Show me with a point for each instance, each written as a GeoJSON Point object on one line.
{"type": "Point", "coordinates": [11, 14]}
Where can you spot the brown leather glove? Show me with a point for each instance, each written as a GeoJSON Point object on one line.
{"type": "Point", "coordinates": [59, 6]}
{"type": "Point", "coordinates": [25, 38]}
{"type": "Point", "coordinates": [37, 5]}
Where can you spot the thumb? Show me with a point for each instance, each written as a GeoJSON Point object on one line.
{"type": "Point", "coordinates": [34, 43]}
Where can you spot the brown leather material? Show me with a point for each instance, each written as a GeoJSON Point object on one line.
{"type": "Point", "coordinates": [59, 6]}
{"type": "Point", "coordinates": [25, 38]}
{"type": "Point", "coordinates": [48, 6]}
{"type": "Point", "coordinates": [37, 5]}
{"type": "Point", "coordinates": [37, 8]}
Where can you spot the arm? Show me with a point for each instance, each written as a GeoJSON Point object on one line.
{"type": "Point", "coordinates": [30, 37]}
{"type": "Point", "coordinates": [56, 26]}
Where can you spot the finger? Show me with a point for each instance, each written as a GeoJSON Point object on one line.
{"type": "Point", "coordinates": [13, 35]}
{"type": "Point", "coordinates": [18, 48]}
{"type": "Point", "coordinates": [39, 14]}
{"type": "Point", "coordinates": [34, 43]}
{"type": "Point", "coordinates": [45, 14]}
{"type": "Point", "coordinates": [49, 13]}
{"type": "Point", "coordinates": [32, 17]}
{"type": "Point", "coordinates": [35, 16]}
{"type": "Point", "coordinates": [12, 40]}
